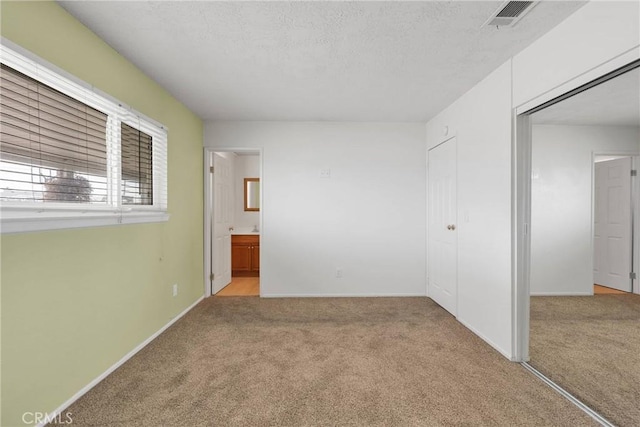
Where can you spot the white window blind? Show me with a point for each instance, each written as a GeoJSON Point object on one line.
{"type": "Point", "coordinates": [68, 151]}
{"type": "Point", "coordinates": [137, 166]}
{"type": "Point", "coordinates": [53, 146]}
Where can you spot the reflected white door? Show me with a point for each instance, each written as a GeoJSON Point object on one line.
{"type": "Point", "coordinates": [222, 222]}
{"type": "Point", "coordinates": [442, 247]}
{"type": "Point", "coordinates": [612, 224]}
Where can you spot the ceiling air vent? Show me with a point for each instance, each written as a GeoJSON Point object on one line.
{"type": "Point", "coordinates": [509, 13]}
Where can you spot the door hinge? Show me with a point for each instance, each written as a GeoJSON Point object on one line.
{"type": "Point", "coordinates": [632, 276]}
{"type": "Point", "coordinates": [634, 172]}
{"type": "Point", "coordinates": [211, 169]}
{"type": "Point", "coordinates": [212, 276]}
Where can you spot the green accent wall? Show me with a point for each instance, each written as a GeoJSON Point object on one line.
{"type": "Point", "coordinates": [74, 302]}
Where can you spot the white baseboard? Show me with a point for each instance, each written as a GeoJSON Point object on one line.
{"type": "Point", "coordinates": [561, 294]}
{"type": "Point", "coordinates": [116, 365]}
{"type": "Point", "coordinates": [340, 295]}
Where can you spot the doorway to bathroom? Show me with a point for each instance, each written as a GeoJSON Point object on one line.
{"type": "Point", "coordinates": [232, 204]}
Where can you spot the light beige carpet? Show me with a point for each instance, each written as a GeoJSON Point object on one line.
{"type": "Point", "coordinates": [248, 361]}
{"type": "Point", "coordinates": [591, 347]}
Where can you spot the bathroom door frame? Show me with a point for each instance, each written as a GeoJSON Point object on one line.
{"type": "Point", "coordinates": [209, 211]}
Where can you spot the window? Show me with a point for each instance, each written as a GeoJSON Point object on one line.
{"type": "Point", "coordinates": [72, 157]}
{"type": "Point", "coordinates": [53, 148]}
{"type": "Point", "coordinates": [137, 171]}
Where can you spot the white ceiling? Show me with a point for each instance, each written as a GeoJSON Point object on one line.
{"type": "Point", "coordinates": [342, 61]}
{"type": "Point", "coordinates": [613, 103]}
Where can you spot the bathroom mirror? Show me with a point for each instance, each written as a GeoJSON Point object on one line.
{"type": "Point", "coordinates": [252, 194]}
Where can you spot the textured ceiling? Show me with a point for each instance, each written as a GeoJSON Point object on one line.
{"type": "Point", "coordinates": [613, 103]}
{"type": "Point", "coordinates": [343, 61]}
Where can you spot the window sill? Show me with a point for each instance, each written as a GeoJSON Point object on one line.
{"type": "Point", "coordinates": [12, 222]}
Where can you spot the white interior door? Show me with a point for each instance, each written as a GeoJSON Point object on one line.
{"type": "Point", "coordinates": [612, 224]}
{"type": "Point", "coordinates": [442, 246]}
{"type": "Point", "coordinates": [222, 222]}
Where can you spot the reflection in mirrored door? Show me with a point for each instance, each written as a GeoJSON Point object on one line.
{"type": "Point", "coordinates": [585, 304]}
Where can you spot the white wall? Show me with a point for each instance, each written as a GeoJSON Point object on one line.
{"type": "Point", "coordinates": [597, 38]}
{"type": "Point", "coordinates": [595, 34]}
{"type": "Point", "coordinates": [481, 122]}
{"type": "Point", "coordinates": [368, 218]}
{"type": "Point", "coordinates": [246, 166]}
{"type": "Point", "coordinates": [561, 203]}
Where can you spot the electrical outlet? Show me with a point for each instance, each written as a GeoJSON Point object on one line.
{"type": "Point", "coordinates": [339, 273]}
{"type": "Point", "coordinates": [325, 173]}
{"type": "Point", "coordinates": [175, 289]}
